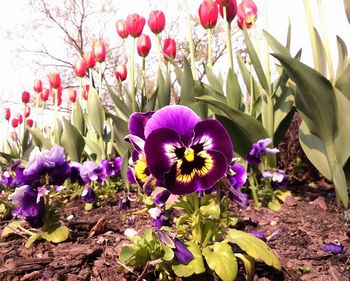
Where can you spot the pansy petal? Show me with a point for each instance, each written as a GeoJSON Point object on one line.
{"type": "Point", "coordinates": [160, 150]}
{"type": "Point", "coordinates": [137, 123]}
{"type": "Point", "coordinates": [137, 142]}
{"type": "Point", "coordinates": [179, 183]}
{"type": "Point", "coordinates": [176, 117]}
{"type": "Point", "coordinates": [213, 136]}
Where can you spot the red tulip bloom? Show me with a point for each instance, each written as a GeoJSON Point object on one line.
{"type": "Point", "coordinates": [80, 67]}
{"type": "Point", "coordinates": [54, 80]}
{"type": "Point", "coordinates": [7, 113]}
{"type": "Point", "coordinates": [85, 92]}
{"type": "Point", "coordinates": [27, 112]}
{"type": "Point", "coordinates": [25, 97]}
{"type": "Point", "coordinates": [143, 45]}
{"type": "Point", "coordinates": [44, 95]}
{"type": "Point", "coordinates": [100, 50]}
{"type": "Point", "coordinates": [223, 2]}
{"type": "Point", "coordinates": [156, 21]}
{"type": "Point", "coordinates": [121, 29]}
{"type": "Point", "coordinates": [169, 48]}
{"type": "Point", "coordinates": [72, 95]}
{"type": "Point", "coordinates": [89, 59]}
{"type": "Point", "coordinates": [38, 86]}
{"type": "Point", "coordinates": [14, 123]}
{"type": "Point", "coordinates": [120, 72]}
{"type": "Point", "coordinates": [208, 13]}
{"type": "Point", "coordinates": [30, 123]}
{"type": "Point", "coordinates": [231, 10]}
{"type": "Point", "coordinates": [246, 13]}
{"type": "Point", "coordinates": [19, 117]}
{"type": "Point", "coordinates": [135, 24]}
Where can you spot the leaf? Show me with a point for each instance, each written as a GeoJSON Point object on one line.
{"type": "Point", "coordinates": [11, 228]}
{"type": "Point", "coordinates": [321, 53]}
{"type": "Point", "coordinates": [233, 90]}
{"type": "Point", "coordinates": [221, 259]}
{"type": "Point", "coordinates": [96, 112]}
{"type": "Point", "coordinates": [274, 205]}
{"type": "Point", "coordinates": [212, 209]}
{"type": "Point", "coordinates": [163, 89]}
{"type": "Point", "coordinates": [343, 82]}
{"type": "Point", "coordinates": [342, 56]}
{"type": "Point", "coordinates": [168, 253]}
{"type": "Point", "coordinates": [32, 239]}
{"type": "Point", "coordinates": [151, 102]}
{"type": "Point", "coordinates": [120, 104]}
{"type": "Point", "coordinates": [78, 118]}
{"type": "Point", "coordinates": [243, 129]}
{"type": "Point", "coordinates": [39, 139]}
{"type": "Point", "coordinates": [126, 253]}
{"type": "Point", "coordinates": [195, 266]}
{"type": "Point", "coordinates": [72, 141]}
{"type": "Point", "coordinates": [347, 9]}
{"type": "Point", "coordinates": [120, 129]}
{"type": "Point", "coordinates": [315, 93]}
{"type": "Point", "coordinates": [254, 247]}
{"type": "Point", "coordinates": [249, 265]}
{"type": "Point", "coordinates": [59, 235]}
{"type": "Point", "coordinates": [340, 184]}
{"type": "Point", "coordinates": [275, 45]}
{"type": "Point", "coordinates": [92, 148]}
{"type": "Point", "coordinates": [213, 80]}
{"type": "Point", "coordinates": [282, 195]}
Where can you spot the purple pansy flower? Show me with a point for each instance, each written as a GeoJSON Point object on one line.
{"type": "Point", "coordinates": [186, 153]}
{"type": "Point", "coordinates": [259, 234]}
{"type": "Point", "coordinates": [44, 168]}
{"type": "Point", "coordinates": [29, 205]}
{"type": "Point", "coordinates": [124, 203]}
{"type": "Point", "coordinates": [237, 175]}
{"type": "Point", "coordinates": [182, 254]}
{"type": "Point", "coordinates": [75, 173]}
{"type": "Point", "coordinates": [130, 175]}
{"type": "Point", "coordinates": [88, 195]}
{"type": "Point", "coordinates": [335, 248]}
{"type": "Point", "coordinates": [259, 149]}
{"type": "Point", "coordinates": [279, 179]}
{"type": "Point", "coordinates": [112, 167]}
{"type": "Point", "coordinates": [7, 179]}
{"type": "Point", "coordinates": [90, 171]}
{"type": "Point", "coordinates": [162, 197]}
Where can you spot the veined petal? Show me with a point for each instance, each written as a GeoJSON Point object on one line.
{"type": "Point", "coordinates": [137, 142]}
{"type": "Point", "coordinates": [207, 168]}
{"type": "Point", "coordinates": [137, 123]}
{"type": "Point", "coordinates": [176, 117]}
{"type": "Point", "coordinates": [211, 135]}
{"type": "Point", "coordinates": [160, 150]}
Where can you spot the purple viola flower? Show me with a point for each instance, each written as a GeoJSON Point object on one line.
{"type": "Point", "coordinates": [259, 234]}
{"type": "Point", "coordinates": [44, 168]}
{"type": "Point", "coordinates": [75, 173]}
{"type": "Point", "coordinates": [137, 123]}
{"type": "Point", "coordinates": [88, 195]}
{"type": "Point", "coordinates": [90, 171]}
{"type": "Point", "coordinates": [279, 179]}
{"type": "Point", "coordinates": [182, 254]}
{"type": "Point", "coordinates": [7, 180]}
{"type": "Point", "coordinates": [112, 167]}
{"type": "Point", "coordinates": [124, 203]}
{"type": "Point", "coordinates": [162, 197]}
{"type": "Point", "coordinates": [237, 175]}
{"type": "Point", "coordinates": [259, 149]}
{"type": "Point", "coordinates": [29, 205]}
{"type": "Point", "coordinates": [336, 248]}
{"type": "Point", "coordinates": [186, 153]}
{"type": "Point", "coordinates": [130, 175]}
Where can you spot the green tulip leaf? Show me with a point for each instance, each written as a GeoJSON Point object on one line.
{"type": "Point", "coordinates": [96, 112]}
{"type": "Point", "coordinates": [249, 265]}
{"type": "Point", "coordinates": [342, 56]}
{"type": "Point", "coordinates": [59, 235]}
{"type": "Point", "coordinates": [233, 90]}
{"type": "Point", "coordinates": [164, 88]}
{"type": "Point", "coordinates": [72, 141]}
{"type": "Point", "coordinates": [78, 118]}
{"type": "Point", "coordinates": [343, 82]}
{"type": "Point", "coordinates": [40, 140]}
{"type": "Point", "coordinates": [213, 80]}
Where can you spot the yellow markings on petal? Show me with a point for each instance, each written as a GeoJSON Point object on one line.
{"type": "Point", "coordinates": [141, 170]}
{"type": "Point", "coordinates": [189, 154]}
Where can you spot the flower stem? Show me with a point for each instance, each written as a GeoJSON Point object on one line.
{"type": "Point", "coordinates": [228, 38]}
{"type": "Point", "coordinates": [253, 188]}
{"type": "Point", "coordinates": [132, 74]}
{"type": "Point", "coordinates": [190, 40]}
{"type": "Point", "coordinates": [143, 95]}
{"type": "Point", "coordinates": [56, 116]}
{"type": "Point", "coordinates": [159, 52]}
{"type": "Point", "coordinates": [100, 80]}
{"type": "Point", "coordinates": [210, 59]}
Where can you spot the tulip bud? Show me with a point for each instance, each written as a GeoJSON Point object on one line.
{"type": "Point", "coordinates": [38, 86]}
{"type": "Point", "coordinates": [19, 117]}
{"type": "Point", "coordinates": [13, 135]}
{"type": "Point", "coordinates": [89, 59]}
{"type": "Point", "coordinates": [169, 48]}
{"type": "Point", "coordinates": [30, 123]}
{"type": "Point", "coordinates": [99, 49]}
{"type": "Point", "coordinates": [143, 45]}
{"type": "Point", "coordinates": [231, 10]}
{"type": "Point", "coordinates": [246, 13]}
{"type": "Point", "coordinates": [27, 112]}
{"type": "Point", "coordinates": [208, 13]}
{"type": "Point", "coordinates": [120, 72]}
{"type": "Point", "coordinates": [156, 21]}
{"type": "Point", "coordinates": [7, 113]}
{"type": "Point", "coordinates": [135, 24]}
{"type": "Point", "coordinates": [121, 29]}
{"type": "Point", "coordinates": [85, 92]}
{"type": "Point", "coordinates": [25, 97]}
{"type": "Point", "coordinates": [54, 80]}
{"type": "Point", "coordinates": [14, 123]}
{"type": "Point", "coordinates": [80, 67]}
{"type": "Point", "coordinates": [44, 95]}
{"type": "Point", "coordinates": [223, 3]}
{"type": "Point", "coordinates": [72, 95]}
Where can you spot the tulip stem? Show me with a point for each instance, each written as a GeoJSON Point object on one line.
{"type": "Point", "coordinates": [143, 96]}
{"type": "Point", "coordinates": [56, 116]}
{"type": "Point", "coordinates": [228, 37]}
{"type": "Point", "coordinates": [159, 52]}
{"type": "Point", "coordinates": [190, 39]}
{"type": "Point", "coordinates": [100, 80]}
{"type": "Point", "coordinates": [90, 76]}
{"type": "Point", "coordinates": [132, 69]}
{"type": "Point", "coordinates": [210, 55]}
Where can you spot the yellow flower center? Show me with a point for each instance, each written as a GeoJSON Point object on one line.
{"type": "Point", "coordinates": [189, 154]}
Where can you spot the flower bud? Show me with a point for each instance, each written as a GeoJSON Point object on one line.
{"type": "Point", "coordinates": [143, 45]}
{"type": "Point", "coordinates": [38, 86]}
{"type": "Point", "coordinates": [135, 24]}
{"type": "Point", "coordinates": [80, 67]}
{"type": "Point", "coordinates": [208, 13]}
{"type": "Point", "coordinates": [121, 72]}
{"type": "Point", "coordinates": [169, 48]}
{"type": "Point", "coordinates": [72, 95]}
{"type": "Point", "coordinates": [100, 50]}
{"type": "Point", "coordinates": [14, 123]}
{"type": "Point", "coordinates": [231, 10]}
{"type": "Point", "coordinates": [30, 123]}
{"type": "Point", "coordinates": [25, 97]}
{"type": "Point", "coordinates": [121, 29]}
{"type": "Point", "coordinates": [7, 113]}
{"type": "Point", "coordinates": [246, 13]}
{"type": "Point", "coordinates": [13, 135]}
{"type": "Point", "coordinates": [44, 95]}
{"type": "Point", "coordinates": [156, 21]}
{"type": "Point", "coordinates": [223, 3]}
{"type": "Point", "coordinates": [89, 59]}
{"type": "Point", "coordinates": [85, 92]}
{"type": "Point", "coordinates": [54, 80]}
{"type": "Point", "coordinates": [27, 112]}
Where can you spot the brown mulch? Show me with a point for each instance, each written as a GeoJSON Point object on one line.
{"type": "Point", "coordinates": [306, 222]}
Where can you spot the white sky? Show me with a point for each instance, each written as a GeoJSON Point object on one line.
{"type": "Point", "coordinates": [16, 77]}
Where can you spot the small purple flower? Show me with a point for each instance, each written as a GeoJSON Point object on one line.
{"type": "Point", "coordinates": [237, 175]}
{"type": "Point", "coordinates": [112, 167]}
{"type": "Point", "coordinates": [89, 172]}
{"type": "Point", "coordinates": [29, 205]}
{"type": "Point", "coordinates": [186, 153]}
{"type": "Point", "coordinates": [7, 179]}
{"type": "Point", "coordinates": [259, 234]}
{"type": "Point", "coordinates": [131, 176]}
{"type": "Point", "coordinates": [259, 149]}
{"type": "Point", "coordinates": [162, 197]}
{"type": "Point", "coordinates": [279, 179]}
{"type": "Point", "coordinates": [182, 254]}
{"type": "Point", "coordinates": [88, 195]}
{"type": "Point", "coordinates": [159, 218]}
{"type": "Point", "coordinates": [124, 203]}
{"type": "Point", "coordinates": [336, 248]}
{"type": "Point", "coordinates": [75, 173]}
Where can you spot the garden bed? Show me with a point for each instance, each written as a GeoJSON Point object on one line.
{"type": "Point", "coordinates": [305, 224]}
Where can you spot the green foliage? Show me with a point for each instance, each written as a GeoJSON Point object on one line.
{"type": "Point", "coordinates": [96, 112]}
{"type": "Point", "coordinates": [72, 141]}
